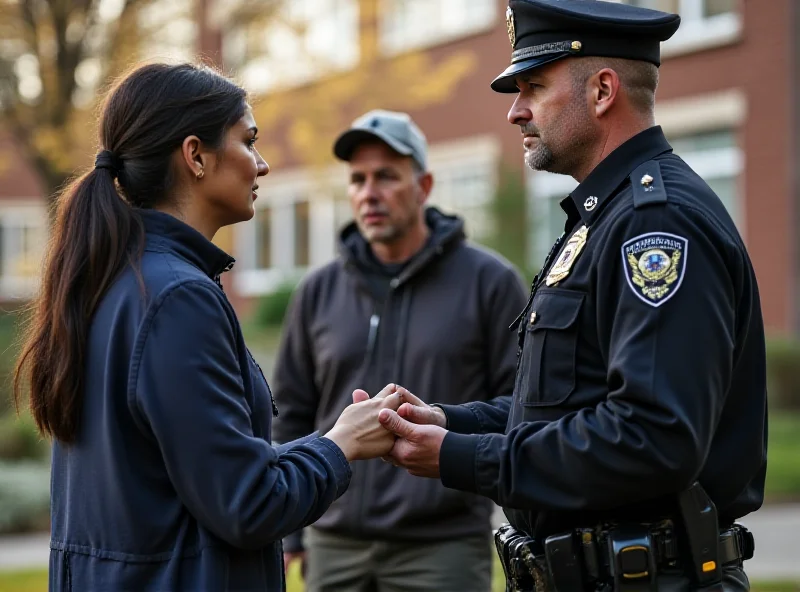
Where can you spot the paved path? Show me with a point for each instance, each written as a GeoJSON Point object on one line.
{"type": "Point", "coordinates": [24, 551]}
{"type": "Point", "coordinates": [776, 530]}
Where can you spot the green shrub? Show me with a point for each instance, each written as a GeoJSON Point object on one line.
{"type": "Point", "coordinates": [19, 438]}
{"type": "Point", "coordinates": [24, 496]}
{"type": "Point", "coordinates": [272, 307]}
{"type": "Point", "coordinates": [8, 357]}
{"type": "Point", "coordinates": [783, 373]}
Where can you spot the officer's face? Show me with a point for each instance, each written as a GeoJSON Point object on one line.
{"type": "Point", "coordinates": [386, 193]}
{"type": "Point", "coordinates": [554, 118]}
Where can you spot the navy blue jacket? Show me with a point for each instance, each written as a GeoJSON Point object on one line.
{"type": "Point", "coordinates": [172, 483]}
{"type": "Point", "coordinates": [642, 361]}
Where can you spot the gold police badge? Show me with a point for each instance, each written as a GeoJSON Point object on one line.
{"type": "Point", "coordinates": [656, 263]}
{"type": "Point", "coordinates": [512, 35]}
{"type": "Point", "coordinates": [563, 264]}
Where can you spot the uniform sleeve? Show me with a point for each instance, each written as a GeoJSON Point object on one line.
{"type": "Point", "coordinates": [668, 355]}
{"type": "Point", "coordinates": [293, 377]}
{"type": "Point", "coordinates": [188, 387]}
{"type": "Point", "coordinates": [504, 298]}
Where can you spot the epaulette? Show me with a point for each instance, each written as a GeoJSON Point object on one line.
{"type": "Point", "coordinates": [648, 187]}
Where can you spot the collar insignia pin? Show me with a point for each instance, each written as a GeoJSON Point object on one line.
{"type": "Point", "coordinates": [590, 203]}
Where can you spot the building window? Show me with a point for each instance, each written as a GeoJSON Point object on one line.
{"type": "Point", "coordinates": [23, 233]}
{"type": "Point", "coordinates": [413, 24]}
{"type": "Point", "coordinates": [467, 191]}
{"type": "Point", "coordinates": [301, 234]}
{"type": "Point", "coordinates": [296, 43]}
{"type": "Point", "coordinates": [714, 155]}
{"type": "Point", "coordinates": [170, 30]}
{"type": "Point", "coordinates": [263, 232]}
{"type": "Point", "coordinates": [704, 23]}
{"type": "Point", "coordinates": [465, 182]}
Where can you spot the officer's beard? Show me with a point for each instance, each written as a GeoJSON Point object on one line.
{"type": "Point", "coordinates": [563, 143]}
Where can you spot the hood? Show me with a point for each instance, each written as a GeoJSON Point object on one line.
{"type": "Point", "coordinates": [447, 231]}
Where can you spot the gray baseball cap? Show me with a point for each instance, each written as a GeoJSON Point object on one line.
{"type": "Point", "coordinates": [395, 129]}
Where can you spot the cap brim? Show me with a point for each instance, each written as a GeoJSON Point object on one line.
{"type": "Point", "coordinates": [507, 83]}
{"type": "Point", "coordinates": [346, 143]}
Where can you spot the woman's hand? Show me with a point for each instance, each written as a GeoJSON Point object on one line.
{"type": "Point", "coordinates": [358, 433]}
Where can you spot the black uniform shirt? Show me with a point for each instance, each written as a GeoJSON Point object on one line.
{"type": "Point", "coordinates": [642, 363]}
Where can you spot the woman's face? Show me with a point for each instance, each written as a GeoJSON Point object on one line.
{"type": "Point", "coordinates": [230, 187]}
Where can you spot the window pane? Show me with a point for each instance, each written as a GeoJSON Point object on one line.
{"type": "Point", "coordinates": [301, 234]}
{"type": "Point", "coordinates": [703, 142]}
{"type": "Point", "coordinates": [663, 5]}
{"type": "Point", "coordinates": [715, 7]}
{"type": "Point", "coordinates": [342, 212]}
{"type": "Point", "coordinates": [263, 238]}
{"type": "Point", "coordinates": [409, 24]}
{"type": "Point", "coordinates": [727, 190]}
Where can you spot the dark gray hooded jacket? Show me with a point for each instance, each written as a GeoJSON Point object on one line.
{"type": "Point", "coordinates": [439, 327]}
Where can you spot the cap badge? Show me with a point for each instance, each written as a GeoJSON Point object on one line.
{"type": "Point", "coordinates": [590, 203]}
{"type": "Point", "coordinates": [512, 35]}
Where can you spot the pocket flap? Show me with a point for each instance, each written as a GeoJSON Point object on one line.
{"type": "Point", "coordinates": [555, 309]}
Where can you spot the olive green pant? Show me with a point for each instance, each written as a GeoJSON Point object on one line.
{"type": "Point", "coordinates": [339, 564]}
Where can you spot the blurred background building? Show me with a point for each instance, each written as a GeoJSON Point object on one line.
{"type": "Point", "coordinates": [728, 102]}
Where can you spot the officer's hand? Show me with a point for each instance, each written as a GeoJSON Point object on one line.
{"type": "Point", "coordinates": [417, 411]}
{"type": "Point", "coordinates": [417, 447]}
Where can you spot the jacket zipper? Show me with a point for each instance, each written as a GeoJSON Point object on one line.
{"type": "Point", "coordinates": [218, 281]}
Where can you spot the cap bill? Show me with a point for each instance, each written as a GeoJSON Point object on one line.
{"type": "Point", "coordinates": [349, 140]}
{"type": "Point", "coordinates": [507, 83]}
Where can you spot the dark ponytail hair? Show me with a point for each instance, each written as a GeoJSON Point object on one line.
{"type": "Point", "coordinates": [97, 231]}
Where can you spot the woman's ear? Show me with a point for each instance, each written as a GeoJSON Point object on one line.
{"type": "Point", "coordinates": [193, 157]}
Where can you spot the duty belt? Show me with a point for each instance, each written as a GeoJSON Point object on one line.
{"type": "Point", "coordinates": [583, 559]}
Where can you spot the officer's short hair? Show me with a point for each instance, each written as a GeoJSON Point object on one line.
{"type": "Point", "coordinates": [639, 79]}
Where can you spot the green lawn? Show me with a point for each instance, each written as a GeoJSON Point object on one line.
{"type": "Point", "coordinates": [783, 452]}
{"type": "Point", "coordinates": [36, 581]}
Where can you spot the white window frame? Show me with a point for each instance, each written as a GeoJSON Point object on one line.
{"type": "Point", "coordinates": [321, 187]}
{"type": "Point", "coordinates": [285, 188]}
{"type": "Point", "coordinates": [20, 212]}
{"type": "Point", "coordinates": [698, 33]}
{"type": "Point", "coordinates": [262, 73]}
{"type": "Point", "coordinates": [471, 153]}
{"type": "Point", "coordinates": [680, 117]}
{"type": "Point", "coordinates": [390, 47]}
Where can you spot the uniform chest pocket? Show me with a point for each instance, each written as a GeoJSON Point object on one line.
{"type": "Point", "coordinates": [547, 370]}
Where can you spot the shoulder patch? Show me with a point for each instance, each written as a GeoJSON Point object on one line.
{"type": "Point", "coordinates": [654, 265]}
{"type": "Point", "coordinates": [648, 187]}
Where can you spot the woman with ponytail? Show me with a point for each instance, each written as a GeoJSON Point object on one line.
{"type": "Point", "coordinates": [163, 476]}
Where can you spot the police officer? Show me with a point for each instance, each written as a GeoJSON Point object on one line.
{"type": "Point", "coordinates": [636, 433]}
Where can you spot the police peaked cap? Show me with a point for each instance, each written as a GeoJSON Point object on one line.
{"type": "Point", "coordinates": [543, 31]}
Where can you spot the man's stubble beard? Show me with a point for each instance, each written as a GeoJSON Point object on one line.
{"type": "Point", "coordinates": [566, 156]}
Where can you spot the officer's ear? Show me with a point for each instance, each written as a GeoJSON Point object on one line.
{"type": "Point", "coordinates": [605, 89]}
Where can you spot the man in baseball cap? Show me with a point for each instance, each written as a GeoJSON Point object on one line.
{"type": "Point", "coordinates": [408, 301]}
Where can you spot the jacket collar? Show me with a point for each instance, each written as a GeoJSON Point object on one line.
{"type": "Point", "coordinates": [166, 233]}
{"type": "Point", "coordinates": [602, 183]}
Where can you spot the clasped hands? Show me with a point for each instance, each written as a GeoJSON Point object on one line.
{"type": "Point", "coordinates": [394, 425]}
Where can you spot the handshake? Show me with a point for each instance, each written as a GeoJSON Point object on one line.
{"type": "Point", "coordinates": [395, 426]}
